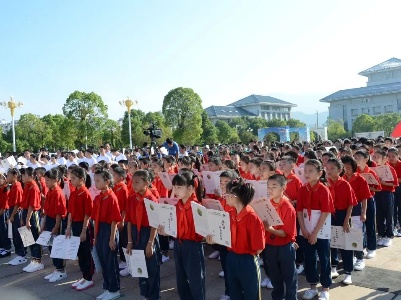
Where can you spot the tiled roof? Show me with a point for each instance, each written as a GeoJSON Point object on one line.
{"type": "Point", "coordinates": [388, 64]}
{"type": "Point", "coordinates": [389, 88]}
{"type": "Point", "coordinates": [227, 111]}
{"type": "Point", "coordinates": [256, 99]}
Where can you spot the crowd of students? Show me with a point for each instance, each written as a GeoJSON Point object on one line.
{"type": "Point", "coordinates": [100, 199]}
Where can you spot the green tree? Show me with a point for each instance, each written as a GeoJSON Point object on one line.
{"type": "Point", "coordinates": [271, 137]}
{"type": "Point", "coordinates": [225, 132]}
{"type": "Point", "coordinates": [31, 130]}
{"type": "Point", "coordinates": [239, 123]}
{"type": "Point", "coordinates": [111, 133]}
{"type": "Point", "coordinates": [387, 122]}
{"type": "Point", "coordinates": [246, 136]}
{"type": "Point", "coordinates": [89, 113]}
{"type": "Point", "coordinates": [335, 129]}
{"type": "Point", "coordinates": [182, 109]}
{"type": "Point", "coordinates": [209, 131]}
{"type": "Point", "coordinates": [363, 123]}
{"type": "Point", "coordinates": [137, 127]}
{"type": "Point", "coordinates": [63, 131]}
{"type": "Point", "coordinates": [276, 123]}
{"type": "Point", "coordinates": [257, 123]}
{"type": "Point", "coordinates": [294, 123]}
{"type": "Point", "coordinates": [159, 121]}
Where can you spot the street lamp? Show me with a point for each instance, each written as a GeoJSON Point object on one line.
{"type": "Point", "coordinates": [128, 103]}
{"type": "Point", "coordinates": [12, 105]}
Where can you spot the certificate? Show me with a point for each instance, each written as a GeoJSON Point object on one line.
{"type": "Point", "coordinates": [96, 260]}
{"type": "Point", "coordinates": [166, 180]}
{"type": "Point", "coordinates": [211, 181]}
{"type": "Point", "coordinates": [64, 248]}
{"type": "Point", "coordinates": [260, 187]}
{"type": "Point", "coordinates": [212, 204]}
{"type": "Point", "coordinates": [300, 172]}
{"type": "Point", "coordinates": [212, 222]}
{"type": "Point", "coordinates": [26, 236]}
{"type": "Point", "coordinates": [8, 163]}
{"type": "Point", "coordinates": [370, 178]}
{"type": "Point", "coordinates": [171, 201]}
{"type": "Point", "coordinates": [384, 173]}
{"type": "Point", "coordinates": [137, 264]}
{"type": "Point", "coordinates": [162, 214]}
{"type": "Point", "coordinates": [266, 211]}
{"type": "Point", "coordinates": [352, 240]}
{"type": "Point", "coordinates": [311, 222]}
{"type": "Point", "coordinates": [10, 229]}
{"type": "Point", "coordinates": [44, 238]}
{"type": "Point", "coordinates": [356, 222]}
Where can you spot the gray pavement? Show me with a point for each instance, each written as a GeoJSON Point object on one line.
{"type": "Point", "coordinates": [381, 279]}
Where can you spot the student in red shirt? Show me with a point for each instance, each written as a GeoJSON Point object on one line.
{"type": "Point", "coordinates": [132, 168]}
{"type": "Point", "coordinates": [5, 242]}
{"type": "Point", "coordinates": [385, 203]}
{"type": "Point", "coordinates": [254, 167]}
{"type": "Point", "coordinates": [280, 240]}
{"type": "Point", "coordinates": [362, 193]}
{"type": "Point", "coordinates": [106, 215]}
{"type": "Point", "coordinates": [40, 174]}
{"type": "Point", "coordinates": [143, 237]}
{"type": "Point", "coordinates": [344, 200]}
{"type": "Point", "coordinates": [394, 161]}
{"type": "Point", "coordinates": [267, 168]}
{"type": "Point", "coordinates": [188, 249]}
{"type": "Point", "coordinates": [30, 206]}
{"type": "Point", "coordinates": [79, 212]}
{"type": "Point", "coordinates": [243, 273]}
{"type": "Point", "coordinates": [315, 196]}
{"type": "Point", "coordinates": [55, 211]}
{"type": "Point", "coordinates": [14, 203]}
{"type": "Point", "coordinates": [120, 189]}
{"type": "Point", "coordinates": [244, 164]}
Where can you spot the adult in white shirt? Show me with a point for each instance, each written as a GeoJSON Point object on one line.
{"type": "Point", "coordinates": [33, 163]}
{"type": "Point", "coordinates": [72, 160]}
{"type": "Point", "coordinates": [118, 156]}
{"type": "Point", "coordinates": [183, 151]}
{"type": "Point", "coordinates": [53, 162]}
{"type": "Point", "coordinates": [108, 152]}
{"type": "Point", "coordinates": [89, 158]}
{"type": "Point", "coordinates": [60, 158]}
{"type": "Point", "coordinates": [103, 156]}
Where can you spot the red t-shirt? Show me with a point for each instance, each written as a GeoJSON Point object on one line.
{"type": "Point", "coordinates": [374, 186]}
{"type": "Point", "coordinates": [317, 197]}
{"type": "Point", "coordinates": [300, 159]}
{"type": "Point", "coordinates": [247, 176]}
{"type": "Point", "coordinates": [43, 185]}
{"type": "Point", "coordinates": [4, 192]}
{"type": "Point", "coordinates": [287, 214]}
{"type": "Point", "coordinates": [247, 232]}
{"type": "Point", "coordinates": [31, 196]}
{"type": "Point", "coordinates": [15, 195]}
{"type": "Point", "coordinates": [158, 184]}
{"type": "Point", "coordinates": [129, 184]}
{"type": "Point", "coordinates": [397, 168]}
{"type": "Point", "coordinates": [80, 204]}
{"type": "Point", "coordinates": [342, 194]}
{"type": "Point", "coordinates": [121, 192]}
{"type": "Point", "coordinates": [105, 208]}
{"type": "Point", "coordinates": [293, 186]}
{"type": "Point", "coordinates": [55, 203]}
{"type": "Point", "coordinates": [359, 186]}
{"type": "Point", "coordinates": [185, 220]}
{"type": "Point", "coordinates": [135, 203]}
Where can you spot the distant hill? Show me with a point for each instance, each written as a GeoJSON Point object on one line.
{"type": "Point", "coordinates": [310, 119]}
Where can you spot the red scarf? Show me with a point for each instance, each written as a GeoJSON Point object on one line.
{"type": "Point", "coordinates": [139, 213]}
{"type": "Point", "coordinates": [333, 185]}
{"type": "Point", "coordinates": [183, 220]}
{"type": "Point", "coordinates": [311, 190]}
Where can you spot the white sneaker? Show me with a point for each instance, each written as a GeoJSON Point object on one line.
{"type": "Point", "coordinates": [57, 276]}
{"type": "Point", "coordinates": [310, 294]}
{"type": "Point", "coordinates": [34, 266]}
{"type": "Point", "coordinates": [324, 296]}
{"type": "Point", "coordinates": [76, 283]}
{"type": "Point", "coordinates": [221, 274]}
{"type": "Point", "coordinates": [380, 241]}
{"type": "Point", "coordinates": [101, 297]}
{"type": "Point", "coordinates": [347, 280]}
{"type": "Point", "coordinates": [398, 232]}
{"type": "Point", "coordinates": [300, 269]}
{"type": "Point", "coordinates": [165, 259]}
{"type": "Point", "coordinates": [354, 260]}
{"type": "Point", "coordinates": [387, 242]}
{"type": "Point", "coordinates": [19, 260]}
{"type": "Point", "coordinates": [171, 245]}
{"type": "Point", "coordinates": [359, 265]}
{"type": "Point", "coordinates": [214, 255]}
{"type": "Point", "coordinates": [112, 296]}
{"type": "Point", "coordinates": [47, 277]}
{"type": "Point", "coordinates": [225, 297]}
{"type": "Point", "coordinates": [86, 284]}
{"type": "Point", "coordinates": [122, 265]}
{"type": "Point", "coordinates": [124, 272]}
{"type": "Point", "coordinates": [371, 254]}
{"type": "Point", "coordinates": [28, 266]}
{"type": "Point", "coordinates": [266, 283]}
{"type": "Point", "coordinates": [334, 273]}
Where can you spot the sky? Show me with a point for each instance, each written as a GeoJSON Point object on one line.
{"type": "Point", "coordinates": [297, 51]}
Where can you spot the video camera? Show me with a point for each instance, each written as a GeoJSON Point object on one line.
{"type": "Point", "coordinates": [153, 132]}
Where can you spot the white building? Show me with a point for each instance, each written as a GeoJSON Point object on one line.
{"type": "Point", "coordinates": [266, 107]}
{"type": "Point", "coordinates": [381, 95]}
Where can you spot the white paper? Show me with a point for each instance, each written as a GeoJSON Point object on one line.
{"type": "Point", "coordinates": [211, 181]}
{"type": "Point", "coordinates": [162, 214]}
{"type": "Point", "coordinates": [127, 260]}
{"type": "Point", "coordinates": [205, 167]}
{"type": "Point", "coordinates": [212, 222]}
{"type": "Point", "coordinates": [166, 180]}
{"type": "Point", "coordinates": [171, 201]}
{"type": "Point", "coordinates": [352, 240]}
{"type": "Point", "coordinates": [152, 210]}
{"type": "Point", "coordinates": [384, 173]}
{"type": "Point", "coordinates": [356, 222]}
{"type": "Point", "coordinates": [8, 163]}
{"type": "Point", "coordinates": [44, 238]}
{"type": "Point", "coordinates": [212, 204]}
{"type": "Point", "coordinates": [66, 189]}
{"type": "Point", "coordinates": [260, 187]}
{"type": "Point", "coordinates": [300, 172]}
{"type": "Point", "coordinates": [23, 160]}
{"type": "Point", "coordinates": [96, 260]}
{"type": "Point", "coordinates": [10, 229]}
{"type": "Point", "coordinates": [370, 178]}
{"type": "Point", "coordinates": [266, 211]}
{"type": "Point", "coordinates": [310, 224]}
{"type": "Point", "coordinates": [26, 236]}
{"type": "Point", "coordinates": [65, 248]}
{"type": "Point", "coordinates": [138, 264]}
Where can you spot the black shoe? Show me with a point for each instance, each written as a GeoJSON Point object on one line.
{"type": "Point", "coordinates": [5, 253]}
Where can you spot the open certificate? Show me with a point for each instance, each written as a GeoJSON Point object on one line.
{"type": "Point", "coordinates": [352, 240]}
{"type": "Point", "coordinates": [212, 204]}
{"type": "Point", "coordinates": [311, 222]}
{"type": "Point", "coordinates": [26, 236]}
{"type": "Point", "coordinates": [260, 187]}
{"type": "Point", "coordinates": [266, 212]}
{"type": "Point", "coordinates": [383, 172]}
{"type": "Point", "coordinates": [44, 238]}
{"type": "Point", "coordinates": [65, 248]}
{"type": "Point", "coordinates": [8, 163]}
{"type": "Point", "coordinates": [171, 201]}
{"type": "Point", "coordinates": [136, 263]}
{"type": "Point", "coordinates": [211, 181]}
{"type": "Point", "coordinates": [370, 178]}
{"type": "Point", "coordinates": [212, 222]}
{"type": "Point", "coordinates": [167, 179]}
{"type": "Point", "coordinates": [162, 214]}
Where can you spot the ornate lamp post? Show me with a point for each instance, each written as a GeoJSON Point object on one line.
{"type": "Point", "coordinates": [128, 103]}
{"type": "Point", "coordinates": [12, 105]}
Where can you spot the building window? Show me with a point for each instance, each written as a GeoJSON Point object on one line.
{"type": "Point", "coordinates": [377, 110]}
{"type": "Point", "coordinates": [365, 110]}
{"type": "Point", "coordinates": [264, 107]}
{"type": "Point", "coordinates": [354, 111]}
{"type": "Point", "coordinates": [388, 108]}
